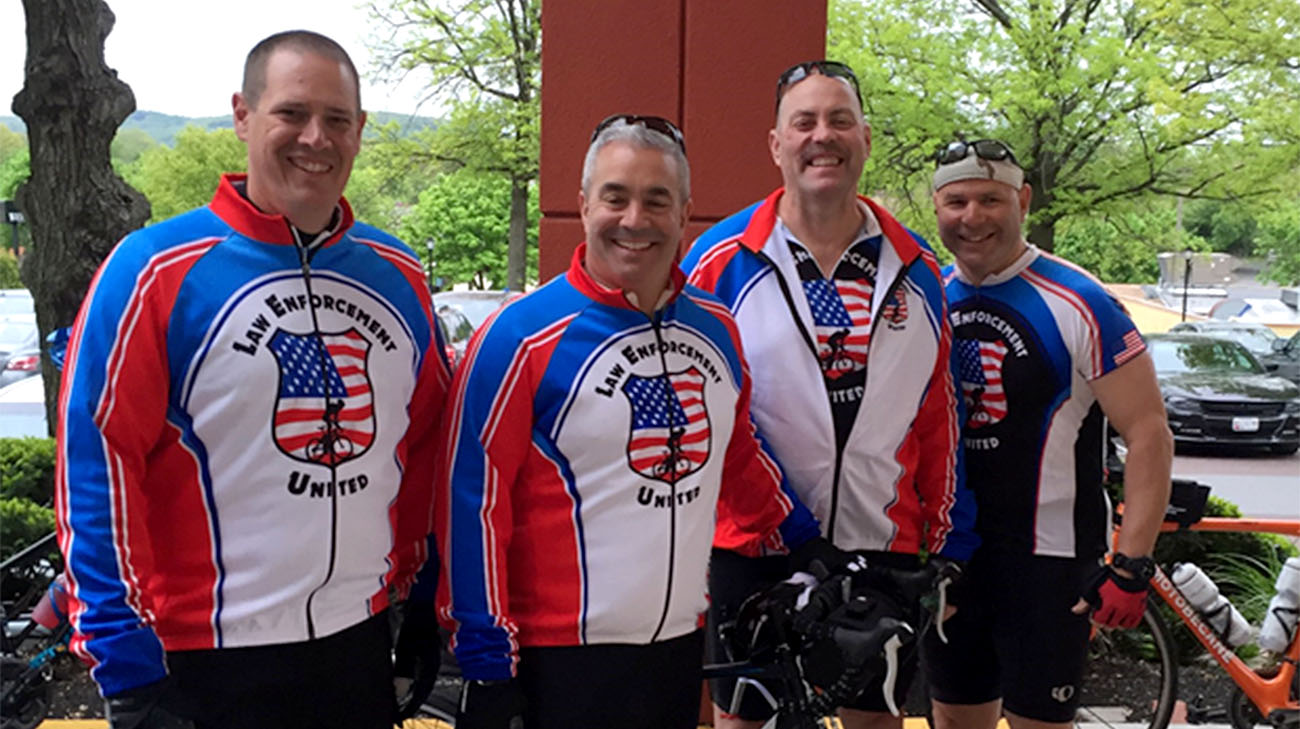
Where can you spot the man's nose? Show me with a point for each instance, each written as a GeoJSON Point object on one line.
{"type": "Point", "coordinates": [634, 215]}
{"type": "Point", "coordinates": [313, 133]}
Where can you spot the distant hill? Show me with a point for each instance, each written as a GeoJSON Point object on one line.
{"type": "Point", "coordinates": [163, 127]}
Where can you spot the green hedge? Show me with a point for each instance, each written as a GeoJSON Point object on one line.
{"type": "Point", "coordinates": [24, 523]}
{"type": "Point", "coordinates": [27, 469]}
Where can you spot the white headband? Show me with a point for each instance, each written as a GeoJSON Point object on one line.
{"type": "Point", "coordinates": [974, 167]}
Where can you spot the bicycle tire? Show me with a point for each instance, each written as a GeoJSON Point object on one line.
{"type": "Point", "coordinates": [1145, 655]}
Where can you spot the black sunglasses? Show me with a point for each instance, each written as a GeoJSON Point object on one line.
{"type": "Point", "coordinates": [989, 149]}
{"type": "Point", "coordinates": [653, 123]}
{"type": "Point", "coordinates": [801, 71]}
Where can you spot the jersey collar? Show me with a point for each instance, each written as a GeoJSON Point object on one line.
{"type": "Point", "coordinates": [764, 220]}
{"type": "Point", "coordinates": [242, 215]}
{"type": "Point", "coordinates": [618, 298]}
{"type": "Point", "coordinates": [1025, 259]}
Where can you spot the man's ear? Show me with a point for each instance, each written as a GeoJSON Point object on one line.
{"type": "Point", "coordinates": [774, 147]}
{"type": "Point", "coordinates": [1026, 194]}
{"type": "Point", "coordinates": [241, 111]}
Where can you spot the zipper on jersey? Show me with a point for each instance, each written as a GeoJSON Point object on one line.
{"type": "Point", "coordinates": [304, 257]}
{"type": "Point", "coordinates": [674, 453]}
{"type": "Point", "coordinates": [866, 375]}
{"type": "Point", "coordinates": [812, 347]}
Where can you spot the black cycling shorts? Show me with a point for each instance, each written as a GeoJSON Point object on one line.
{"type": "Point", "coordinates": [732, 578]}
{"type": "Point", "coordinates": [341, 681]}
{"type": "Point", "coordinates": [1014, 636]}
{"type": "Point", "coordinates": [604, 685]}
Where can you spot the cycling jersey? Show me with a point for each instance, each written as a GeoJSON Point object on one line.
{"type": "Point", "coordinates": [589, 447]}
{"type": "Point", "coordinates": [897, 484]}
{"type": "Point", "coordinates": [1029, 340]}
{"type": "Point", "coordinates": [246, 436]}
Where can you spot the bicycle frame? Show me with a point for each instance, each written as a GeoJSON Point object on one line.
{"type": "Point", "coordinates": [1268, 694]}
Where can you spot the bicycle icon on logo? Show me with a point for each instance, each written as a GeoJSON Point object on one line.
{"type": "Point", "coordinates": [331, 447]}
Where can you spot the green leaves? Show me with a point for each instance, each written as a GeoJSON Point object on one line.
{"type": "Point", "coordinates": [1106, 102]}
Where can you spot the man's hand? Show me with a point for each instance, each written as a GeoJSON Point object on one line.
{"type": "Point", "coordinates": [416, 658]}
{"type": "Point", "coordinates": [833, 560]}
{"type": "Point", "coordinates": [491, 705]}
{"type": "Point", "coordinates": [1116, 601]}
{"type": "Point", "coordinates": [138, 709]}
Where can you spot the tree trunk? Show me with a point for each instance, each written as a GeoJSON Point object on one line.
{"type": "Point", "coordinates": [517, 252]}
{"type": "Point", "coordinates": [1041, 178]}
{"type": "Point", "coordinates": [77, 207]}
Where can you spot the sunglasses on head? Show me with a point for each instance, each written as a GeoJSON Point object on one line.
{"type": "Point", "coordinates": [801, 71]}
{"type": "Point", "coordinates": [653, 123]}
{"type": "Point", "coordinates": [989, 149]}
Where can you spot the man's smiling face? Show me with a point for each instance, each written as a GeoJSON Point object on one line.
{"type": "Point", "coordinates": [820, 142]}
{"type": "Point", "coordinates": [303, 132]}
{"type": "Point", "coordinates": [634, 217]}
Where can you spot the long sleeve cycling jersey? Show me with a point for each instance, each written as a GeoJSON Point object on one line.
{"type": "Point", "coordinates": [245, 448]}
{"type": "Point", "coordinates": [898, 483]}
{"type": "Point", "coordinates": [589, 446]}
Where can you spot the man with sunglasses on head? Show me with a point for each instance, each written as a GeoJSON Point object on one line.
{"type": "Point", "coordinates": [598, 426]}
{"type": "Point", "coordinates": [842, 316]}
{"type": "Point", "coordinates": [1044, 353]}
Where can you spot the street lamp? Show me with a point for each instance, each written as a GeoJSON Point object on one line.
{"type": "Point", "coordinates": [1187, 277]}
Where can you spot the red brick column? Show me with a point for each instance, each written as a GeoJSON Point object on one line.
{"type": "Point", "coordinates": [709, 65]}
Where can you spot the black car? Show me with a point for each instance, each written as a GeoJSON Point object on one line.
{"type": "Point", "coordinates": [1216, 392]}
{"type": "Point", "coordinates": [1284, 360]}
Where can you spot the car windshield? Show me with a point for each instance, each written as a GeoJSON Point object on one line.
{"type": "Point", "coordinates": [1257, 339]}
{"type": "Point", "coordinates": [15, 334]}
{"type": "Point", "coordinates": [15, 303]}
{"type": "Point", "coordinates": [476, 306]}
{"type": "Point", "coordinates": [1204, 355]}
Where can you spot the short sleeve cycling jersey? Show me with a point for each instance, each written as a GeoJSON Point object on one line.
{"type": "Point", "coordinates": [1028, 341]}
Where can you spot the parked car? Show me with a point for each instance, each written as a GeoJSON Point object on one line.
{"type": "Point", "coordinates": [20, 364]}
{"type": "Point", "coordinates": [1217, 393]}
{"type": "Point", "coordinates": [463, 312]}
{"type": "Point", "coordinates": [1255, 337]}
{"type": "Point", "coordinates": [16, 301]}
{"type": "Point", "coordinates": [22, 409]}
{"type": "Point", "coordinates": [17, 333]}
{"type": "Point", "coordinates": [1284, 360]}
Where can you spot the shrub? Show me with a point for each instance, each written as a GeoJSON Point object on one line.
{"type": "Point", "coordinates": [24, 523]}
{"type": "Point", "coordinates": [27, 469]}
{"type": "Point", "coordinates": [9, 278]}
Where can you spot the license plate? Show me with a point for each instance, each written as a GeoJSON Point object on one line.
{"type": "Point", "coordinates": [1245, 425]}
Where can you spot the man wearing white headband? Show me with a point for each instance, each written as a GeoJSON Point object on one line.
{"type": "Point", "coordinates": [1044, 352]}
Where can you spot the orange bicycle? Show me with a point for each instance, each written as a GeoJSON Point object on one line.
{"type": "Point", "coordinates": [1264, 696]}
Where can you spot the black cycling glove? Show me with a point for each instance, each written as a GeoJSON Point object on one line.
{"type": "Point", "coordinates": [833, 560]}
{"type": "Point", "coordinates": [416, 657]}
{"type": "Point", "coordinates": [491, 705]}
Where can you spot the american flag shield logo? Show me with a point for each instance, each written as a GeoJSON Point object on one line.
{"type": "Point", "coordinates": [895, 312]}
{"type": "Point", "coordinates": [981, 381]}
{"type": "Point", "coordinates": [841, 312]}
{"type": "Point", "coordinates": [669, 438]}
{"type": "Point", "coordinates": [324, 409]}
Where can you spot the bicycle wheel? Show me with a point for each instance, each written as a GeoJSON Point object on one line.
{"type": "Point", "coordinates": [1131, 676]}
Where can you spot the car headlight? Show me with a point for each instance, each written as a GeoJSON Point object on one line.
{"type": "Point", "coordinates": [1181, 404]}
{"type": "Point", "coordinates": [1292, 407]}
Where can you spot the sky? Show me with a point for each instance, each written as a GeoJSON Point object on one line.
{"type": "Point", "coordinates": [186, 57]}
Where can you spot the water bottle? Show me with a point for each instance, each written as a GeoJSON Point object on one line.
{"type": "Point", "coordinates": [1204, 595]}
{"type": "Point", "coordinates": [1280, 620]}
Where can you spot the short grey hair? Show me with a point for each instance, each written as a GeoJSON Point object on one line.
{"type": "Point", "coordinates": [637, 135]}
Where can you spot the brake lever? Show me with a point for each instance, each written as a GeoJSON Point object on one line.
{"type": "Point", "coordinates": [891, 672]}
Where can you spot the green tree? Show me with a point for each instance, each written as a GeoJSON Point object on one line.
{"type": "Point", "coordinates": [465, 214]}
{"type": "Point", "coordinates": [1278, 239]}
{"type": "Point", "coordinates": [483, 60]}
{"type": "Point", "coordinates": [128, 145]}
{"type": "Point", "coordinates": [11, 143]}
{"type": "Point", "coordinates": [179, 178]}
{"type": "Point", "coordinates": [1105, 101]}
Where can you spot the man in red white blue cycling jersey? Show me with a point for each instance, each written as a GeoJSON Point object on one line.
{"type": "Point", "coordinates": [1045, 351]}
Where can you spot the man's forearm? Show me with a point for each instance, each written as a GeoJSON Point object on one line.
{"type": "Point", "coordinates": [1146, 487]}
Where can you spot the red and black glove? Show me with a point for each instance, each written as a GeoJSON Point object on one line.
{"type": "Point", "coordinates": [1117, 601]}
